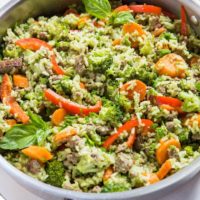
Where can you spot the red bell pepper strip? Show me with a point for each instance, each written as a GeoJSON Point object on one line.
{"type": "Point", "coordinates": [122, 8]}
{"type": "Point", "coordinates": [35, 44]}
{"type": "Point", "coordinates": [6, 87]}
{"type": "Point", "coordinates": [69, 106]}
{"type": "Point", "coordinates": [146, 9]}
{"type": "Point", "coordinates": [126, 127]}
{"type": "Point", "coordinates": [56, 67]}
{"type": "Point", "coordinates": [160, 100]}
{"type": "Point", "coordinates": [184, 30]}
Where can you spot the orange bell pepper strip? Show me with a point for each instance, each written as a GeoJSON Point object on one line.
{"type": "Point", "coordinates": [69, 106]}
{"type": "Point", "coordinates": [6, 87]}
{"type": "Point", "coordinates": [126, 127]}
{"type": "Point", "coordinates": [184, 30]}
{"type": "Point", "coordinates": [16, 110]}
{"type": "Point", "coordinates": [20, 81]}
{"type": "Point", "coordinates": [35, 44]}
{"type": "Point", "coordinates": [146, 9]}
{"type": "Point", "coordinates": [138, 87]}
{"type": "Point", "coordinates": [38, 153]}
{"type": "Point", "coordinates": [122, 8]}
{"type": "Point", "coordinates": [152, 177]}
{"type": "Point", "coordinates": [161, 152]}
{"type": "Point", "coordinates": [164, 170]}
{"type": "Point", "coordinates": [131, 27]}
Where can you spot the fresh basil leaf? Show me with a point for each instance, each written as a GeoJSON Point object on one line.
{"type": "Point", "coordinates": [37, 121]}
{"type": "Point", "coordinates": [121, 18]}
{"type": "Point", "coordinates": [41, 136]}
{"type": "Point", "coordinates": [98, 8]}
{"type": "Point", "coordinates": [19, 137]}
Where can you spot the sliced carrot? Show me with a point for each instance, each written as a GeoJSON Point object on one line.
{"type": "Point", "coordinates": [134, 86]}
{"type": "Point", "coordinates": [152, 177]}
{"type": "Point", "coordinates": [6, 87]}
{"type": "Point", "coordinates": [122, 8]}
{"type": "Point", "coordinates": [159, 31]}
{"type": "Point", "coordinates": [58, 116]}
{"type": "Point", "coordinates": [161, 152]}
{"type": "Point", "coordinates": [116, 42]}
{"type": "Point", "coordinates": [64, 135]}
{"type": "Point", "coordinates": [107, 173]}
{"type": "Point", "coordinates": [20, 81]}
{"type": "Point", "coordinates": [164, 170]}
{"type": "Point", "coordinates": [16, 110]}
{"type": "Point", "coordinates": [11, 122]}
{"type": "Point", "coordinates": [171, 65]}
{"type": "Point", "coordinates": [131, 139]}
{"type": "Point", "coordinates": [39, 153]}
{"type": "Point", "coordinates": [83, 20]}
{"type": "Point", "coordinates": [131, 27]}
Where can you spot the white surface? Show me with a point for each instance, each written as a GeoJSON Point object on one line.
{"type": "Point", "coordinates": [12, 191]}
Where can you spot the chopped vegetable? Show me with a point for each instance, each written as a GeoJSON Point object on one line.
{"type": "Point", "coordinates": [11, 122]}
{"type": "Point", "coordinates": [70, 106]}
{"type": "Point", "coordinates": [146, 9]}
{"type": "Point", "coordinates": [56, 173]}
{"type": "Point", "coordinates": [58, 116]}
{"type": "Point", "coordinates": [184, 30]}
{"type": "Point", "coordinates": [134, 86]}
{"type": "Point", "coordinates": [39, 153]}
{"type": "Point", "coordinates": [160, 100]}
{"type": "Point", "coordinates": [6, 87]}
{"type": "Point", "coordinates": [131, 27]}
{"type": "Point", "coordinates": [122, 8]}
{"type": "Point", "coordinates": [171, 65]}
{"type": "Point", "coordinates": [131, 139]}
{"type": "Point", "coordinates": [164, 170]}
{"type": "Point", "coordinates": [64, 135]}
{"type": "Point", "coordinates": [161, 152]}
{"type": "Point", "coordinates": [126, 127]}
{"type": "Point", "coordinates": [35, 44]}
{"type": "Point", "coordinates": [20, 81]}
{"type": "Point", "coordinates": [107, 173]}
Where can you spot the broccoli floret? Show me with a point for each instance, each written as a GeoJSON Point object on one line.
{"type": "Point", "coordinates": [191, 102]}
{"type": "Point", "coordinates": [110, 112]}
{"type": "Point", "coordinates": [117, 183]}
{"type": "Point", "coordinates": [189, 150]}
{"type": "Point", "coordinates": [56, 172]}
{"type": "Point", "coordinates": [160, 132]}
{"type": "Point", "coordinates": [100, 60]}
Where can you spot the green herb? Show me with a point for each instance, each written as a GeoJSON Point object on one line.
{"type": "Point", "coordinates": [119, 18]}
{"type": "Point", "coordinates": [24, 135]}
{"type": "Point", "coordinates": [98, 8]}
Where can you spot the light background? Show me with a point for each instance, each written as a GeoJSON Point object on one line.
{"type": "Point", "coordinates": [12, 191]}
